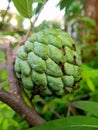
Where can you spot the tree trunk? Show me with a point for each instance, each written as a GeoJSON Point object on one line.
{"type": "Point", "coordinates": [91, 10]}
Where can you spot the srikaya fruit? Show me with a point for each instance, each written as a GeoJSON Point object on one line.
{"type": "Point", "coordinates": [49, 63]}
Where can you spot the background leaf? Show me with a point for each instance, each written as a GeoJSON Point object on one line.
{"type": "Point", "coordinates": [70, 123]}
{"type": "Point", "coordinates": [39, 1]}
{"type": "Point", "coordinates": [24, 7]}
{"type": "Point", "coordinates": [65, 3]}
{"type": "Point", "coordinates": [90, 84]}
{"type": "Point", "coordinates": [88, 106]}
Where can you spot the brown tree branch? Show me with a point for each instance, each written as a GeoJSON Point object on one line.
{"type": "Point", "coordinates": [14, 98]}
{"type": "Point", "coordinates": [17, 104]}
{"type": "Point", "coordinates": [13, 82]}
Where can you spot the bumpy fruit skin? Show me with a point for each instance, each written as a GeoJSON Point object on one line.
{"type": "Point", "coordinates": [49, 63]}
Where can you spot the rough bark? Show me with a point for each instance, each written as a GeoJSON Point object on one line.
{"type": "Point", "coordinates": [14, 98]}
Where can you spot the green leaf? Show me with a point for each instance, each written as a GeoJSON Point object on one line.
{"type": "Point", "coordinates": [89, 75]}
{"type": "Point", "coordinates": [70, 123]}
{"type": "Point", "coordinates": [88, 72]}
{"type": "Point", "coordinates": [65, 3]}
{"type": "Point", "coordinates": [88, 106]}
{"type": "Point", "coordinates": [24, 7]}
{"type": "Point", "coordinates": [38, 8]}
{"type": "Point", "coordinates": [70, 6]}
{"type": "Point", "coordinates": [3, 74]}
{"type": "Point", "coordinates": [90, 84]}
{"type": "Point", "coordinates": [2, 56]}
{"type": "Point", "coordinates": [39, 1]}
{"type": "Point", "coordinates": [5, 124]}
{"type": "Point", "coordinates": [88, 20]}
{"type": "Point", "coordinates": [14, 122]}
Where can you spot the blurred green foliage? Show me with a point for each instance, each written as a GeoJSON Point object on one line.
{"type": "Point", "coordinates": [9, 119]}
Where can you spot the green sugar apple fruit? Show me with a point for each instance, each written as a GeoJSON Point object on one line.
{"type": "Point", "coordinates": [49, 63]}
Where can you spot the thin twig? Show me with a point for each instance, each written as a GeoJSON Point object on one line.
{"type": "Point", "coordinates": [26, 36]}
{"type": "Point", "coordinates": [6, 12]}
{"type": "Point", "coordinates": [71, 109]}
{"type": "Point", "coordinates": [53, 111]}
{"type": "Point", "coordinates": [32, 25]}
{"type": "Point", "coordinates": [13, 82]}
{"type": "Point", "coordinates": [28, 32]}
